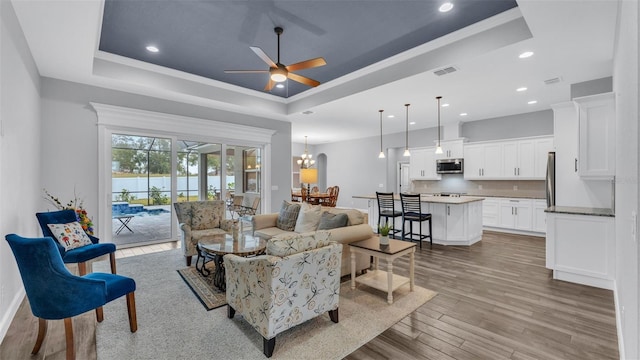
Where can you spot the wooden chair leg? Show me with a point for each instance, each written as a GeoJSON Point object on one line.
{"type": "Point", "coordinates": [131, 309]}
{"type": "Point", "coordinates": [333, 315]}
{"type": "Point", "coordinates": [230, 311]}
{"type": "Point", "coordinates": [68, 332]}
{"type": "Point", "coordinates": [112, 260]}
{"type": "Point", "coordinates": [268, 346]}
{"type": "Point", "coordinates": [99, 314]}
{"type": "Point", "coordinates": [188, 258]}
{"type": "Point", "coordinates": [82, 268]}
{"type": "Point", "coordinates": [42, 332]}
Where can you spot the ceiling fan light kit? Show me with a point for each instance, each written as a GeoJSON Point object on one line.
{"type": "Point", "coordinates": [278, 72]}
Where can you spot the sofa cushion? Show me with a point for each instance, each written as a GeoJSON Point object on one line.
{"type": "Point", "coordinates": [288, 216]}
{"type": "Point", "coordinates": [308, 218]}
{"type": "Point", "coordinates": [356, 217]}
{"type": "Point", "coordinates": [332, 221]}
{"type": "Point", "coordinates": [268, 233]}
{"type": "Point", "coordinates": [289, 244]}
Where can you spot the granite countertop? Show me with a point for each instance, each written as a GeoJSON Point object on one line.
{"type": "Point", "coordinates": [576, 210]}
{"type": "Point", "coordinates": [432, 199]}
{"type": "Point", "coordinates": [519, 194]}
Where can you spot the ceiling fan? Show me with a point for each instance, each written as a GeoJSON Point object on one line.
{"type": "Point", "coordinates": [279, 72]}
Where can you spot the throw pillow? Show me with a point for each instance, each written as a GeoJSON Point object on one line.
{"type": "Point", "coordinates": [70, 235]}
{"type": "Point", "coordinates": [308, 218]}
{"type": "Point", "coordinates": [332, 221]}
{"type": "Point", "coordinates": [287, 217]}
{"type": "Point", "coordinates": [289, 244]}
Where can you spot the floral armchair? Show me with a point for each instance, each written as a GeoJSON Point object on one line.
{"type": "Point", "coordinates": [297, 280]}
{"type": "Point", "coordinates": [200, 219]}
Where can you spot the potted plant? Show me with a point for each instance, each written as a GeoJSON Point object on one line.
{"type": "Point", "coordinates": [383, 230]}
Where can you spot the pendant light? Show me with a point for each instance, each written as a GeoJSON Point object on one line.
{"type": "Point", "coordinates": [381, 155]}
{"type": "Point", "coordinates": [406, 134]}
{"type": "Point", "coordinates": [438, 148]}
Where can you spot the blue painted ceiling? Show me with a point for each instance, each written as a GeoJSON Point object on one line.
{"type": "Point", "coordinates": [206, 37]}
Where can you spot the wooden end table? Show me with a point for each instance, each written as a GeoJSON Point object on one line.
{"type": "Point", "coordinates": [217, 246]}
{"type": "Point", "coordinates": [380, 279]}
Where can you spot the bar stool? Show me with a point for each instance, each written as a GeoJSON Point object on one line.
{"type": "Point", "coordinates": [412, 212]}
{"type": "Point", "coordinates": [387, 209]}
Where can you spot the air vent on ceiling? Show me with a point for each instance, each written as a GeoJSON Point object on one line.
{"type": "Point", "coordinates": [553, 80]}
{"type": "Point", "coordinates": [307, 112]}
{"type": "Point", "coordinates": [444, 71]}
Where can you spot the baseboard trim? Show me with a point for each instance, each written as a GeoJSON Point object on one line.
{"type": "Point", "coordinates": [616, 302]}
{"type": "Point", "coordinates": [5, 322]}
{"type": "Point", "coordinates": [514, 231]}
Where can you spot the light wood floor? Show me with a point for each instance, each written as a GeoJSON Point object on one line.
{"type": "Point", "coordinates": [496, 301]}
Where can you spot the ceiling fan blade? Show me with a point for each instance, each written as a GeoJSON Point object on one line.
{"type": "Point", "coordinates": [311, 63]}
{"type": "Point", "coordinates": [303, 80]}
{"type": "Point", "coordinates": [262, 55]}
{"type": "Point", "coordinates": [246, 71]}
{"type": "Point", "coordinates": [270, 85]}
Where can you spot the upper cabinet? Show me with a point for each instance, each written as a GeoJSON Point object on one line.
{"type": "Point", "coordinates": [423, 164]}
{"type": "Point", "coordinates": [451, 149]}
{"type": "Point", "coordinates": [520, 159]}
{"type": "Point", "coordinates": [596, 140]}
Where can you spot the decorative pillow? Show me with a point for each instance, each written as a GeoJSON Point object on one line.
{"type": "Point", "coordinates": [289, 244]}
{"type": "Point", "coordinates": [308, 218]}
{"type": "Point", "coordinates": [287, 217]}
{"type": "Point", "coordinates": [332, 221]}
{"type": "Point", "coordinates": [70, 235]}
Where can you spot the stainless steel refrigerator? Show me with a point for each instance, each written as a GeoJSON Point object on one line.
{"type": "Point", "coordinates": [550, 181]}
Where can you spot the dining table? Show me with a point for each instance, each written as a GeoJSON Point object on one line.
{"type": "Point", "coordinates": [314, 198]}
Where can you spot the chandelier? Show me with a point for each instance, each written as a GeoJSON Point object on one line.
{"type": "Point", "coordinates": [306, 160]}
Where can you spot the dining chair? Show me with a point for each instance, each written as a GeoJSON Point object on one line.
{"type": "Point", "coordinates": [412, 212]}
{"type": "Point", "coordinates": [78, 255]}
{"type": "Point", "coordinates": [54, 293]}
{"type": "Point", "coordinates": [387, 210]}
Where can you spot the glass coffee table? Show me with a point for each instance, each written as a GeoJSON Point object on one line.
{"type": "Point", "coordinates": [214, 248]}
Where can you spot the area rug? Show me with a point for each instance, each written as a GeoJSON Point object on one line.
{"type": "Point", "coordinates": [172, 324]}
{"type": "Point", "coordinates": [210, 296]}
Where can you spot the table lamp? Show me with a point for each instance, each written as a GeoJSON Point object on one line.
{"type": "Point", "coordinates": [308, 176]}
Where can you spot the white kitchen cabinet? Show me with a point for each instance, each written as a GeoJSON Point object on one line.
{"type": "Point", "coordinates": [596, 141]}
{"type": "Point", "coordinates": [581, 249]}
{"type": "Point", "coordinates": [423, 164]}
{"type": "Point", "coordinates": [490, 212]}
{"type": "Point", "coordinates": [517, 159]}
{"type": "Point", "coordinates": [541, 149]}
{"type": "Point", "coordinates": [451, 149]}
{"type": "Point", "coordinates": [483, 161]}
{"type": "Point", "coordinates": [539, 216]}
{"type": "Point", "coordinates": [516, 214]}
{"type": "Point", "coordinates": [456, 222]}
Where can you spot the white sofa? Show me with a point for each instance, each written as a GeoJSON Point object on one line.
{"type": "Point", "coordinates": [357, 228]}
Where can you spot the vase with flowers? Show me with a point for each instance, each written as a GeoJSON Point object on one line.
{"type": "Point", "coordinates": [75, 205]}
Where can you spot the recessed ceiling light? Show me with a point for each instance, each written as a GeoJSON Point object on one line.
{"type": "Point", "coordinates": [280, 86]}
{"type": "Point", "coordinates": [308, 112]}
{"type": "Point", "coordinates": [532, 102]}
{"type": "Point", "coordinates": [463, 114]}
{"type": "Point", "coordinates": [445, 105]}
{"type": "Point", "coordinates": [525, 54]}
{"type": "Point", "coordinates": [521, 89]}
{"type": "Point", "coordinates": [391, 116]}
{"type": "Point", "coordinates": [412, 123]}
{"type": "Point", "coordinates": [445, 7]}
{"type": "Point", "coordinates": [152, 49]}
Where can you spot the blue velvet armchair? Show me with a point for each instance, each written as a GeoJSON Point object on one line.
{"type": "Point", "coordinates": [54, 293]}
{"type": "Point", "coordinates": [78, 255]}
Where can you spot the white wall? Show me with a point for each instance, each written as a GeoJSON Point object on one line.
{"type": "Point", "coordinates": [20, 190]}
{"type": "Point", "coordinates": [625, 85]}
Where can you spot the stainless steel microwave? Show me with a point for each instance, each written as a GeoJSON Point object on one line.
{"type": "Point", "coordinates": [450, 166]}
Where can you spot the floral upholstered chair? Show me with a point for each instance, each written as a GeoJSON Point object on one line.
{"type": "Point", "coordinates": [297, 280]}
{"type": "Point", "coordinates": [198, 220]}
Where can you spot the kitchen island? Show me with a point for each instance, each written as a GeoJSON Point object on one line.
{"type": "Point", "coordinates": [455, 220]}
